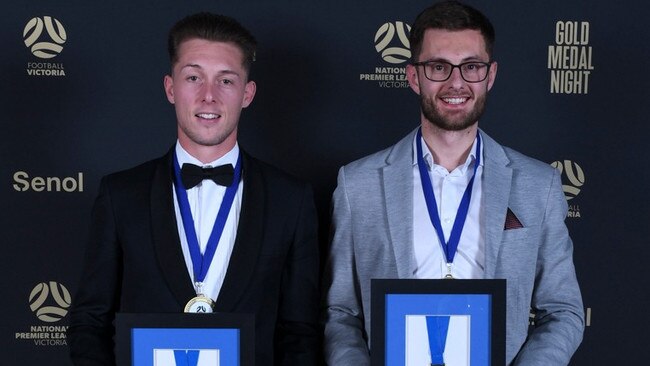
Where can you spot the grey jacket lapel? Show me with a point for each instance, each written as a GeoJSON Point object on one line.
{"type": "Point", "coordinates": [398, 195]}
{"type": "Point", "coordinates": [497, 180]}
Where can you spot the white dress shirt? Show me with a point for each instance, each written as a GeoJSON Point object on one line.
{"type": "Point", "coordinates": [448, 188]}
{"type": "Point", "coordinates": [205, 201]}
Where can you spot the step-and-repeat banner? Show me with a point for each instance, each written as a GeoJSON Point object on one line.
{"type": "Point", "coordinates": [82, 96]}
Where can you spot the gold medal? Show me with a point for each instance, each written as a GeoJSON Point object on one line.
{"type": "Point", "coordinates": [200, 304]}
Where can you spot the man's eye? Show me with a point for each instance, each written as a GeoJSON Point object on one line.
{"type": "Point", "coordinates": [475, 66]}
{"type": "Point", "coordinates": [193, 78]}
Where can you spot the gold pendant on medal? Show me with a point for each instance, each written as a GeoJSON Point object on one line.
{"type": "Point", "coordinates": [200, 304]}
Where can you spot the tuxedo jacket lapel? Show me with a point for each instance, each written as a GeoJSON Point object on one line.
{"type": "Point", "coordinates": [165, 233]}
{"type": "Point", "coordinates": [497, 181]}
{"type": "Point", "coordinates": [167, 242]}
{"type": "Point", "coordinates": [249, 237]}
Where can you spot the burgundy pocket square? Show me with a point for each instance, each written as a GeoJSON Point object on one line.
{"type": "Point", "coordinates": [512, 222]}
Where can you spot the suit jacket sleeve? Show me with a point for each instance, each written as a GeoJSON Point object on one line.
{"type": "Point", "coordinates": [91, 331]}
{"type": "Point", "coordinates": [556, 300]}
{"type": "Point", "coordinates": [345, 337]}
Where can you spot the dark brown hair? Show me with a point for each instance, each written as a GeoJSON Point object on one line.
{"type": "Point", "coordinates": [453, 16]}
{"type": "Point", "coordinates": [212, 27]}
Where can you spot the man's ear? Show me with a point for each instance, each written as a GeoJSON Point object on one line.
{"type": "Point", "coordinates": [492, 75]}
{"type": "Point", "coordinates": [412, 77]}
{"type": "Point", "coordinates": [168, 83]}
{"type": "Point", "coordinates": [249, 93]}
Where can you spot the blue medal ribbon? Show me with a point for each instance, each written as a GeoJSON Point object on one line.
{"type": "Point", "coordinates": [201, 262]}
{"type": "Point", "coordinates": [437, 329]}
{"type": "Point", "coordinates": [186, 358]}
{"type": "Point", "coordinates": [448, 247]}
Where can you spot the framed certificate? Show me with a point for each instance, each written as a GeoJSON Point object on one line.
{"type": "Point", "coordinates": [216, 339]}
{"type": "Point", "coordinates": [425, 322]}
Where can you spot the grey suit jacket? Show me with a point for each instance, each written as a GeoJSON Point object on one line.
{"type": "Point", "coordinates": [372, 237]}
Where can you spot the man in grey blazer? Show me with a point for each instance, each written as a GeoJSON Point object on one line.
{"type": "Point", "coordinates": [509, 209]}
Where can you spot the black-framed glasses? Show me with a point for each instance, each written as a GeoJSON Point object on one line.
{"type": "Point", "coordinates": [472, 72]}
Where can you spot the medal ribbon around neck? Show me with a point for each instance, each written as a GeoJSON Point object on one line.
{"type": "Point", "coordinates": [201, 262]}
{"type": "Point", "coordinates": [448, 247]}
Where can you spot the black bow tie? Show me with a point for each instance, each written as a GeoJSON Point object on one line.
{"type": "Point", "coordinates": [191, 175]}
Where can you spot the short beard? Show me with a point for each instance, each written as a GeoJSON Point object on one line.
{"type": "Point", "coordinates": [459, 123]}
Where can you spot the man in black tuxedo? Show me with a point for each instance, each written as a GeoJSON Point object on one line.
{"type": "Point", "coordinates": [166, 238]}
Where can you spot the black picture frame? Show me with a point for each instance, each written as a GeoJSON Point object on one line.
{"type": "Point", "coordinates": [478, 304]}
{"type": "Point", "coordinates": [233, 333]}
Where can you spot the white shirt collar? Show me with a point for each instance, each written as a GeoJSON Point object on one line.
{"type": "Point", "coordinates": [428, 157]}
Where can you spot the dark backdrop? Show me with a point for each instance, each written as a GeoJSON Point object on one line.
{"type": "Point", "coordinates": [97, 105]}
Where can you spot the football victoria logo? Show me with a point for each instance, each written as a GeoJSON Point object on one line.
{"type": "Point", "coordinates": [50, 47]}
{"type": "Point", "coordinates": [50, 301]}
{"type": "Point", "coordinates": [392, 44]}
{"type": "Point", "coordinates": [44, 37]}
{"type": "Point", "coordinates": [573, 178]}
{"type": "Point", "coordinates": [574, 174]}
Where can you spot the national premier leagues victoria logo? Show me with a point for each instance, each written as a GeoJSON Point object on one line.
{"type": "Point", "coordinates": [392, 44]}
{"type": "Point", "coordinates": [573, 178]}
{"type": "Point", "coordinates": [385, 42]}
{"type": "Point", "coordinates": [49, 302]}
{"type": "Point", "coordinates": [44, 37]}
